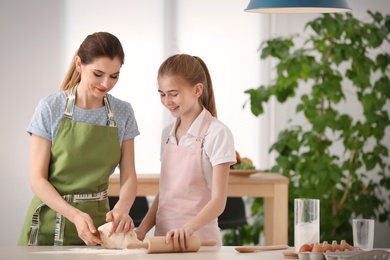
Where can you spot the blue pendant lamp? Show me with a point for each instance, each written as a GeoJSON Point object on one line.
{"type": "Point", "coordinates": [297, 6]}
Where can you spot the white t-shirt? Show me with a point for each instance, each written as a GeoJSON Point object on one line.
{"type": "Point", "coordinates": [218, 144]}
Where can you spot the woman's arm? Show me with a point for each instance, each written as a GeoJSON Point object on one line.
{"type": "Point", "coordinates": [40, 185]}
{"type": "Point", "coordinates": [211, 210]}
{"type": "Point", "coordinates": [119, 215]}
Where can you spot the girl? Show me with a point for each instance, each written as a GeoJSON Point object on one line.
{"type": "Point", "coordinates": [197, 151]}
{"type": "Point", "coordinates": [79, 136]}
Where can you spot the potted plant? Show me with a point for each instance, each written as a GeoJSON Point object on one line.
{"type": "Point", "coordinates": [334, 157]}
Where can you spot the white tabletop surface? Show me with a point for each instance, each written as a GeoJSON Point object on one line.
{"type": "Point", "coordinates": [100, 253]}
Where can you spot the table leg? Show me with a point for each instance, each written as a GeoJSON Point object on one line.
{"type": "Point", "coordinates": [276, 216]}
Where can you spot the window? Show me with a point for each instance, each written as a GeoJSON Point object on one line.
{"type": "Point", "coordinates": [218, 31]}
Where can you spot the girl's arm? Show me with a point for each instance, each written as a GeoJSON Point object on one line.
{"type": "Point", "coordinates": [40, 185]}
{"type": "Point", "coordinates": [211, 210]}
{"type": "Point", "coordinates": [149, 221]}
{"type": "Point", "coordinates": [119, 215]}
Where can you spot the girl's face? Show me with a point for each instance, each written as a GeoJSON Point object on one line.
{"type": "Point", "coordinates": [178, 96]}
{"type": "Point", "coordinates": [100, 76]}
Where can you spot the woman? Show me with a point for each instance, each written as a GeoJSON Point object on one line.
{"type": "Point", "coordinates": [79, 136]}
{"type": "Point", "coordinates": [197, 151]}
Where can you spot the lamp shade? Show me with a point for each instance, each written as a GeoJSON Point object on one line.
{"type": "Point", "coordinates": [297, 6]}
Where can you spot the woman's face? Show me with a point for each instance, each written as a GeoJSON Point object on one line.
{"type": "Point", "coordinates": [100, 76]}
{"type": "Point", "coordinates": [178, 96]}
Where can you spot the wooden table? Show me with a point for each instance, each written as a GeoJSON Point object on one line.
{"type": "Point", "coordinates": [270, 186]}
{"type": "Point", "coordinates": [100, 253]}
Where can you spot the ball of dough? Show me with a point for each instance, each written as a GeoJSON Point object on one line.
{"type": "Point", "coordinates": [117, 240]}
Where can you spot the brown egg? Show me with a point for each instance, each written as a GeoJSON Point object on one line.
{"type": "Point", "coordinates": [345, 246]}
{"type": "Point", "coordinates": [317, 248]}
{"type": "Point", "coordinates": [327, 247]}
{"type": "Point", "coordinates": [336, 247]}
{"type": "Point", "coordinates": [305, 248]}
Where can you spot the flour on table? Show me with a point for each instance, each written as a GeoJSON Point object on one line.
{"type": "Point", "coordinates": [93, 250]}
{"type": "Point", "coordinates": [117, 240]}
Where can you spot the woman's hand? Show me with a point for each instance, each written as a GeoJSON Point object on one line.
{"type": "Point", "coordinates": [119, 215]}
{"type": "Point", "coordinates": [121, 221]}
{"type": "Point", "coordinates": [180, 237]}
{"type": "Point", "coordinates": [86, 229]}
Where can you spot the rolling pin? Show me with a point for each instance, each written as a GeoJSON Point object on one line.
{"type": "Point", "coordinates": [158, 245]}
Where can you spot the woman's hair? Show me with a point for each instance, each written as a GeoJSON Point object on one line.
{"type": "Point", "coordinates": [193, 70]}
{"type": "Point", "coordinates": [97, 45]}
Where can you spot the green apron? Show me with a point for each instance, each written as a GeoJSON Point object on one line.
{"type": "Point", "coordinates": [82, 158]}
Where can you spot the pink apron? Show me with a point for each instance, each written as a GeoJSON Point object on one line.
{"type": "Point", "coordinates": [183, 188]}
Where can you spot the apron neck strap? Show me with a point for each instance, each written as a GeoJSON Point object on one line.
{"type": "Point", "coordinates": [204, 126]}
{"type": "Point", "coordinates": [111, 120]}
{"type": "Point", "coordinates": [70, 103]}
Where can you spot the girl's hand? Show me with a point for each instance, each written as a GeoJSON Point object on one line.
{"type": "Point", "coordinates": [86, 229]}
{"type": "Point", "coordinates": [179, 237]}
{"type": "Point", "coordinates": [121, 221]}
{"type": "Point", "coordinates": [140, 234]}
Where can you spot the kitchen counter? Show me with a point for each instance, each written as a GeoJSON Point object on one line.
{"type": "Point", "coordinates": [100, 253]}
{"type": "Point", "coordinates": [270, 186]}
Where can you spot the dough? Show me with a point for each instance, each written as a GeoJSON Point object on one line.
{"type": "Point", "coordinates": [118, 240]}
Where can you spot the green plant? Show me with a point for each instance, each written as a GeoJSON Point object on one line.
{"type": "Point", "coordinates": [329, 156]}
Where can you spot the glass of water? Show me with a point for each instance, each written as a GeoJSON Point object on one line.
{"type": "Point", "coordinates": [363, 233]}
{"type": "Point", "coordinates": [306, 221]}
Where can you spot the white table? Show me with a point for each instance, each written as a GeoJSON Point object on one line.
{"type": "Point", "coordinates": [100, 253]}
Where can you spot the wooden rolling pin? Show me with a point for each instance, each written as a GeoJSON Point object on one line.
{"type": "Point", "coordinates": [158, 245]}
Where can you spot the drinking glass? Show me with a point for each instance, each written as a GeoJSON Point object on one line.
{"type": "Point", "coordinates": [363, 233]}
{"type": "Point", "coordinates": [306, 222]}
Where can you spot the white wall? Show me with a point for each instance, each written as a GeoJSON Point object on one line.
{"type": "Point", "coordinates": [29, 50]}
{"type": "Point", "coordinates": [37, 42]}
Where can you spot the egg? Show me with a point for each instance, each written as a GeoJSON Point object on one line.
{"type": "Point", "coordinates": [305, 248]}
{"type": "Point", "coordinates": [317, 248]}
{"type": "Point", "coordinates": [336, 247]}
{"type": "Point", "coordinates": [345, 246]}
{"type": "Point", "coordinates": [327, 247]}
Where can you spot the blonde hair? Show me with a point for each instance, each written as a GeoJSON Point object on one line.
{"type": "Point", "coordinates": [193, 70]}
{"type": "Point", "coordinates": [96, 45]}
